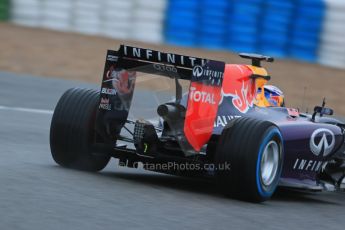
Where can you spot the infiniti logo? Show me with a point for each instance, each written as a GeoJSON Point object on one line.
{"type": "Point", "coordinates": [322, 142]}
{"type": "Point", "coordinates": [197, 71]}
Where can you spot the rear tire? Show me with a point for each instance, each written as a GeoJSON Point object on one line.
{"type": "Point", "coordinates": [72, 131]}
{"type": "Point", "coordinates": [254, 150]}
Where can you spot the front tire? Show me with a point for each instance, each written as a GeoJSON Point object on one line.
{"type": "Point", "coordinates": [254, 150]}
{"type": "Point", "coordinates": [72, 131]}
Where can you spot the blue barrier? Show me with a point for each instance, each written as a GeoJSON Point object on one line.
{"type": "Point", "coordinates": [289, 28]}
{"type": "Point", "coordinates": [306, 30]}
{"type": "Point", "coordinates": [243, 28]}
{"type": "Point", "coordinates": [213, 23]}
{"type": "Point", "coordinates": [181, 25]}
{"type": "Point", "coordinates": [275, 27]}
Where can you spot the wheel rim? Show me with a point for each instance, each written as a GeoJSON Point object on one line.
{"type": "Point", "coordinates": [269, 163]}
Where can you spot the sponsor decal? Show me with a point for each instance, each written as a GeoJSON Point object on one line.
{"type": "Point", "coordinates": [322, 142]}
{"type": "Point", "coordinates": [242, 100]}
{"type": "Point", "coordinates": [201, 96]}
{"type": "Point", "coordinates": [309, 165]}
{"type": "Point", "coordinates": [108, 91]}
{"type": "Point", "coordinates": [222, 121]}
{"type": "Point", "coordinates": [112, 57]}
{"type": "Point", "coordinates": [239, 86]}
{"type": "Point", "coordinates": [197, 71]}
{"type": "Point", "coordinates": [122, 81]}
{"type": "Point", "coordinates": [105, 104]}
{"type": "Point", "coordinates": [293, 112]}
{"type": "Point", "coordinates": [212, 76]}
{"type": "Point", "coordinates": [157, 56]}
{"type": "Point", "coordinates": [164, 68]}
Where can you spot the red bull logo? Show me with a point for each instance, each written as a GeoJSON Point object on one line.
{"type": "Point", "coordinates": [238, 85]}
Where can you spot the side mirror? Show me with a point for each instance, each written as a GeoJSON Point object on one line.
{"type": "Point", "coordinates": [323, 110]}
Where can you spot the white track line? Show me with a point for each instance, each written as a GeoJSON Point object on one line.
{"type": "Point", "coordinates": [27, 110]}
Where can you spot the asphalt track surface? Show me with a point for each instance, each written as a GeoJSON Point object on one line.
{"type": "Point", "coordinates": [35, 193]}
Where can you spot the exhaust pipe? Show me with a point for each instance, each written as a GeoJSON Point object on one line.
{"type": "Point", "coordinates": [171, 111]}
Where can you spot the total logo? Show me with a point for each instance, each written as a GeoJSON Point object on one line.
{"type": "Point", "coordinates": [322, 142]}
{"type": "Point", "coordinates": [242, 101]}
{"type": "Point", "coordinates": [201, 96]}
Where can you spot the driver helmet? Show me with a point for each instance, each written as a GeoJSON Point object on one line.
{"type": "Point", "coordinates": [273, 95]}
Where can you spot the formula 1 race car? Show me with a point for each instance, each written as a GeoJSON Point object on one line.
{"type": "Point", "coordinates": [189, 116]}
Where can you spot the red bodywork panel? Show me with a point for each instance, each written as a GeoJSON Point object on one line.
{"type": "Point", "coordinates": [238, 84]}
{"type": "Point", "coordinates": [204, 99]}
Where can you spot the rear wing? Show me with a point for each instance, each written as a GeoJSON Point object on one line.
{"type": "Point", "coordinates": [154, 62]}
{"type": "Point", "coordinates": [119, 79]}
